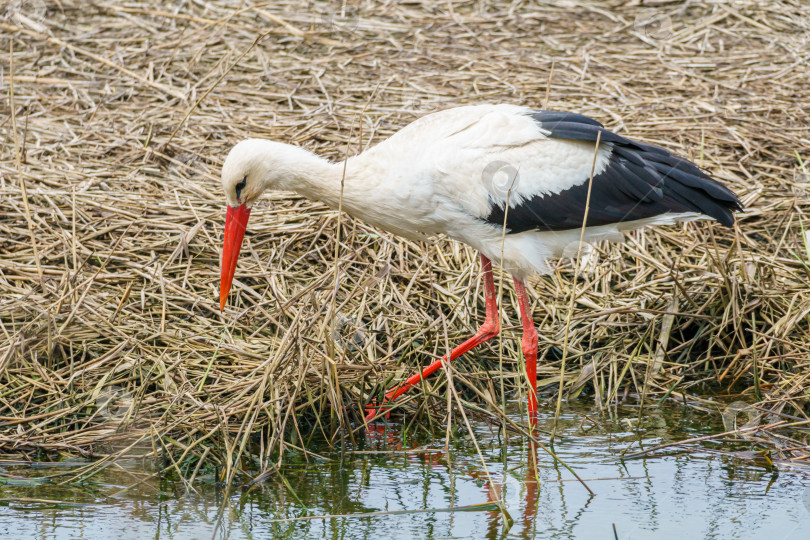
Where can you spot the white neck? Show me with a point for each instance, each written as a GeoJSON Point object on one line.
{"type": "Point", "coordinates": [290, 168]}
{"type": "Point", "coordinates": [373, 190]}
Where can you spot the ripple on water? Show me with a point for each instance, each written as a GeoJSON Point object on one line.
{"type": "Point", "coordinates": [675, 493]}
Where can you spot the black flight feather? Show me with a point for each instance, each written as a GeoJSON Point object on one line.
{"type": "Point", "coordinates": [640, 181]}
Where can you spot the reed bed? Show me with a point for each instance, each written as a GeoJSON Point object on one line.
{"type": "Point", "coordinates": [117, 116]}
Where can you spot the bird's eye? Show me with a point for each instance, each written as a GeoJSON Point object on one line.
{"type": "Point", "coordinates": [240, 186]}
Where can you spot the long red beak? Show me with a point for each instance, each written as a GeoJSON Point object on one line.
{"type": "Point", "coordinates": [235, 224]}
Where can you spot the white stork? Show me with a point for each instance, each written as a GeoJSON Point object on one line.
{"type": "Point", "coordinates": [509, 181]}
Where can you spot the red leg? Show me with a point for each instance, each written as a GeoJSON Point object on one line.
{"type": "Point", "coordinates": [488, 330]}
{"type": "Point", "coordinates": [529, 343]}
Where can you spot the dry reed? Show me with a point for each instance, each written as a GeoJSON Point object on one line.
{"type": "Point", "coordinates": [112, 218]}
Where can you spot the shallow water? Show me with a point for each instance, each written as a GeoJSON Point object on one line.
{"type": "Point", "coordinates": [702, 492]}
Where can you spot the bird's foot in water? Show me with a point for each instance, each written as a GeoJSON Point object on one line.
{"type": "Point", "coordinates": [377, 411]}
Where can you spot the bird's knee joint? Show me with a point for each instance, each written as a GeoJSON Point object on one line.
{"type": "Point", "coordinates": [491, 329]}
{"type": "Point", "coordinates": [529, 342]}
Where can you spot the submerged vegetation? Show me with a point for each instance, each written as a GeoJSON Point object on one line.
{"type": "Point", "coordinates": [117, 117]}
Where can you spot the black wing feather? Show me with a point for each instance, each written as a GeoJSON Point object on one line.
{"type": "Point", "coordinates": [639, 181]}
{"type": "Point", "coordinates": [549, 118]}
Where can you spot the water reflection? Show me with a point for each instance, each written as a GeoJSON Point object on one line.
{"type": "Point", "coordinates": [700, 493]}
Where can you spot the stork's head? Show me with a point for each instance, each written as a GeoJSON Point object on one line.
{"type": "Point", "coordinates": [247, 172]}
{"type": "Point", "coordinates": [244, 173]}
{"type": "Point", "coordinates": [253, 166]}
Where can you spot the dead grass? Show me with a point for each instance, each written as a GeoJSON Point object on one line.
{"type": "Point", "coordinates": [122, 114]}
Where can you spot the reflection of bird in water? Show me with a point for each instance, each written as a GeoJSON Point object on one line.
{"type": "Point", "coordinates": [496, 492]}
